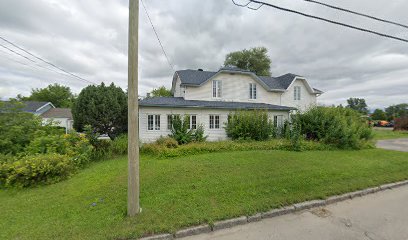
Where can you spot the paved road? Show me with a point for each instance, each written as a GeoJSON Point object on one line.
{"type": "Point", "coordinates": [383, 215]}
{"type": "Point", "coordinates": [394, 144]}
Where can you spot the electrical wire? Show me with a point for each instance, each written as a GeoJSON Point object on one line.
{"type": "Point", "coordinates": [357, 13]}
{"type": "Point", "coordinates": [41, 59]}
{"type": "Point", "coordinates": [318, 18]}
{"type": "Point", "coordinates": [157, 36]}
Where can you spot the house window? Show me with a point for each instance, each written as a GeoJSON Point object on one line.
{"type": "Point", "coordinates": [214, 121]}
{"type": "Point", "coordinates": [193, 122]}
{"type": "Point", "coordinates": [252, 91]}
{"type": "Point", "coordinates": [216, 88]}
{"type": "Point", "coordinates": [296, 93]}
{"type": "Point", "coordinates": [278, 120]}
{"type": "Point", "coordinates": [153, 122]}
{"type": "Point", "coordinates": [169, 122]}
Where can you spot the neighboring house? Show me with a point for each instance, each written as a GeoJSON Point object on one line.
{"type": "Point", "coordinates": [61, 117]}
{"type": "Point", "coordinates": [209, 97]}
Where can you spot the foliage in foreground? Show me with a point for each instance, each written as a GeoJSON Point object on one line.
{"type": "Point", "coordinates": [164, 150]}
{"type": "Point", "coordinates": [189, 191]}
{"type": "Point", "coordinates": [249, 125]}
{"type": "Point", "coordinates": [340, 127]}
{"type": "Point", "coordinates": [182, 133]}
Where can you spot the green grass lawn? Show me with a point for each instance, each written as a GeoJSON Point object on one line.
{"type": "Point", "coordinates": [186, 191]}
{"type": "Point", "coordinates": [389, 134]}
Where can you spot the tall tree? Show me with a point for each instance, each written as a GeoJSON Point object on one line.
{"type": "Point", "coordinates": [58, 95]}
{"type": "Point", "coordinates": [358, 104]}
{"type": "Point", "coordinates": [397, 111]}
{"type": "Point", "coordinates": [255, 60]}
{"type": "Point", "coordinates": [102, 107]}
{"type": "Point", "coordinates": [378, 114]}
{"type": "Point", "coordinates": [161, 92]}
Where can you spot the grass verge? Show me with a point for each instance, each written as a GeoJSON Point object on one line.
{"type": "Point", "coordinates": [380, 134]}
{"type": "Point", "coordinates": [178, 192]}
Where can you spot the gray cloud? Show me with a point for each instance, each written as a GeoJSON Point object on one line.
{"type": "Point", "coordinates": [89, 38]}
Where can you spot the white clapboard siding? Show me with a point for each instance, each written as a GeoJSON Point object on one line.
{"type": "Point", "coordinates": [202, 118]}
{"type": "Point", "coordinates": [235, 87]}
{"type": "Point", "coordinates": [307, 99]}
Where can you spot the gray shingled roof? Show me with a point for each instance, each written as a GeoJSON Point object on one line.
{"type": "Point", "coordinates": [32, 106]}
{"type": "Point", "coordinates": [194, 77]}
{"type": "Point", "coordinates": [58, 113]}
{"type": "Point", "coordinates": [179, 102]}
{"type": "Point", "coordinates": [198, 77]}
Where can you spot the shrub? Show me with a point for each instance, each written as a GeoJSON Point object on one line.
{"type": "Point", "coordinates": [168, 142]}
{"type": "Point", "coordinates": [194, 148]}
{"type": "Point", "coordinates": [401, 123]}
{"type": "Point", "coordinates": [341, 127]}
{"type": "Point", "coordinates": [36, 169]}
{"type": "Point", "coordinates": [249, 125]}
{"type": "Point", "coordinates": [119, 146]}
{"type": "Point", "coordinates": [181, 132]}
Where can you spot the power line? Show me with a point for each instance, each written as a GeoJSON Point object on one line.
{"type": "Point", "coordinates": [11, 50]}
{"type": "Point", "coordinates": [35, 67]}
{"type": "Point", "coordinates": [157, 36]}
{"type": "Point", "coordinates": [318, 18]}
{"type": "Point", "coordinates": [43, 60]}
{"type": "Point", "coordinates": [357, 13]}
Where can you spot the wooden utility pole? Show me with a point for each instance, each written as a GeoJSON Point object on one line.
{"type": "Point", "coordinates": [133, 110]}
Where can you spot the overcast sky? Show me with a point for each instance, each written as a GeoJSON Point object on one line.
{"type": "Point", "coordinates": [89, 39]}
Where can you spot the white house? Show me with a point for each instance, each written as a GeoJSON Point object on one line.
{"type": "Point", "coordinates": [61, 117]}
{"type": "Point", "coordinates": [209, 97]}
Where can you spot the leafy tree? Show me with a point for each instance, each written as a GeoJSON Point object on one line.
{"type": "Point", "coordinates": [397, 111]}
{"type": "Point", "coordinates": [19, 128]}
{"type": "Point", "coordinates": [358, 104]}
{"type": "Point", "coordinates": [255, 60]}
{"type": "Point", "coordinates": [378, 114]}
{"type": "Point", "coordinates": [58, 95]}
{"type": "Point", "coordinates": [161, 92]}
{"type": "Point", "coordinates": [102, 107]}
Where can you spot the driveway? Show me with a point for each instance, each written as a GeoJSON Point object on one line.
{"type": "Point", "coordinates": [383, 215]}
{"type": "Point", "coordinates": [400, 144]}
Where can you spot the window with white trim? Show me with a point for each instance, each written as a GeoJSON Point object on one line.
{"type": "Point", "coordinates": [252, 91]}
{"type": "Point", "coordinates": [153, 122]}
{"type": "Point", "coordinates": [169, 122]}
{"type": "Point", "coordinates": [214, 121]}
{"type": "Point", "coordinates": [278, 120]}
{"type": "Point", "coordinates": [296, 92]}
{"type": "Point", "coordinates": [216, 88]}
{"type": "Point", "coordinates": [193, 122]}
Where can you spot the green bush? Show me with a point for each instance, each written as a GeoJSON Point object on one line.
{"type": "Point", "coordinates": [249, 125]}
{"type": "Point", "coordinates": [194, 148]}
{"type": "Point", "coordinates": [36, 169]}
{"type": "Point", "coordinates": [119, 146]}
{"type": "Point", "coordinates": [168, 142]}
{"type": "Point", "coordinates": [341, 127]}
{"type": "Point", "coordinates": [181, 132]}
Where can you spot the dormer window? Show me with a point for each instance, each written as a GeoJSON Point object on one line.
{"type": "Point", "coordinates": [252, 91]}
{"type": "Point", "coordinates": [296, 92]}
{"type": "Point", "coordinates": [216, 88]}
